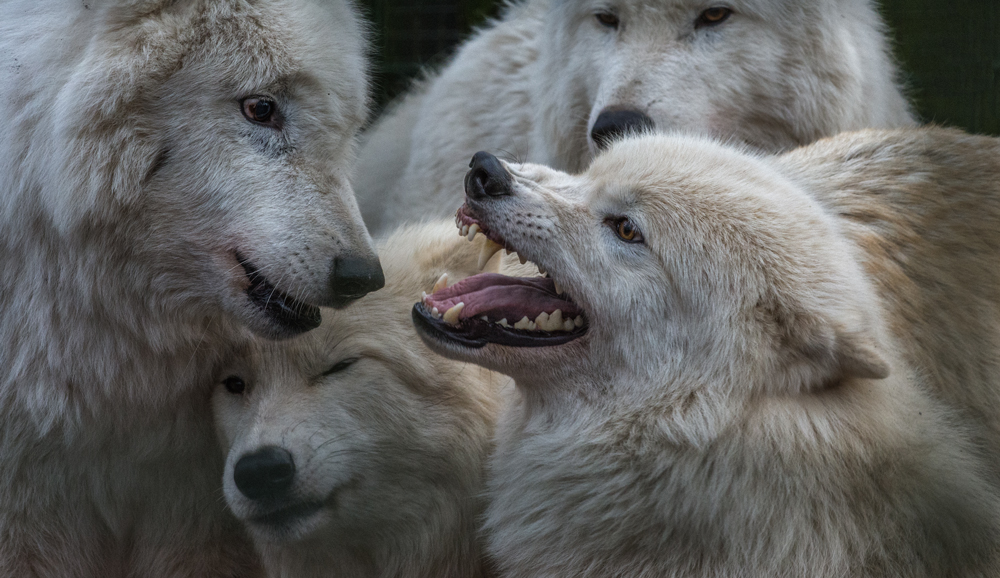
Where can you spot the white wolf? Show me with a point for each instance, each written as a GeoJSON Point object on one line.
{"type": "Point", "coordinates": [788, 366]}
{"type": "Point", "coordinates": [554, 79]}
{"type": "Point", "coordinates": [171, 173]}
{"type": "Point", "coordinates": [353, 450]}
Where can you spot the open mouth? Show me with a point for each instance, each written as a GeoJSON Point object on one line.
{"type": "Point", "coordinates": [292, 315]}
{"type": "Point", "coordinates": [288, 515]}
{"type": "Point", "coordinates": [494, 308]}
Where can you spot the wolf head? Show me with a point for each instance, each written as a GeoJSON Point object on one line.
{"type": "Point", "coordinates": [696, 267]}
{"type": "Point", "coordinates": [354, 440]}
{"type": "Point", "coordinates": [209, 140]}
{"type": "Point", "coordinates": [773, 74]}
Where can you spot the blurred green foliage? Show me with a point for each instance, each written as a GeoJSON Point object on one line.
{"type": "Point", "coordinates": [950, 50]}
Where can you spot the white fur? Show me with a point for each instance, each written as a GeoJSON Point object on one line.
{"type": "Point", "coordinates": [394, 445]}
{"type": "Point", "coordinates": [796, 373]}
{"type": "Point", "coordinates": [776, 74]}
{"type": "Point", "coordinates": [128, 179]}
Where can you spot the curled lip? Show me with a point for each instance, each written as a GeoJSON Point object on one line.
{"type": "Point", "coordinates": [291, 314]}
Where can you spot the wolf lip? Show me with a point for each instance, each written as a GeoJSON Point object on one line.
{"type": "Point", "coordinates": [476, 333]}
{"type": "Point", "coordinates": [292, 315]}
{"type": "Point", "coordinates": [288, 514]}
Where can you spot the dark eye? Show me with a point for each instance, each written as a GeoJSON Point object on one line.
{"type": "Point", "coordinates": [340, 366]}
{"type": "Point", "coordinates": [713, 16]}
{"type": "Point", "coordinates": [259, 109]}
{"type": "Point", "coordinates": [234, 385]}
{"type": "Point", "coordinates": [626, 230]}
{"type": "Point", "coordinates": [607, 19]}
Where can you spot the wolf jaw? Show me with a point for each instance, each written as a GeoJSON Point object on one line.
{"type": "Point", "coordinates": [494, 308]}
{"type": "Point", "coordinates": [290, 314]}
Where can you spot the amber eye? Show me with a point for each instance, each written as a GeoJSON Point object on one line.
{"type": "Point", "coordinates": [627, 230]}
{"type": "Point", "coordinates": [713, 16]}
{"type": "Point", "coordinates": [259, 109]}
{"type": "Point", "coordinates": [234, 385]}
{"type": "Point", "coordinates": [607, 19]}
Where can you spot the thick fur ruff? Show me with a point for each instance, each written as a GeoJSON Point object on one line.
{"type": "Point", "coordinates": [776, 74]}
{"type": "Point", "coordinates": [390, 438]}
{"type": "Point", "coordinates": [130, 185]}
{"type": "Point", "coordinates": [796, 372]}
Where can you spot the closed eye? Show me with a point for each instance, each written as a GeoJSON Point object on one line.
{"type": "Point", "coordinates": [340, 366]}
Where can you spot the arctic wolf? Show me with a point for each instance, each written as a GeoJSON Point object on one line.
{"type": "Point", "coordinates": [172, 173]}
{"type": "Point", "coordinates": [354, 450]}
{"type": "Point", "coordinates": [786, 366]}
{"type": "Point", "coordinates": [555, 80]}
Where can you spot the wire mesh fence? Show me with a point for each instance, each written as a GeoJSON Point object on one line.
{"type": "Point", "coordinates": [950, 51]}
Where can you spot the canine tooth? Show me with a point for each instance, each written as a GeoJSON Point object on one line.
{"type": "Point", "coordinates": [556, 320]}
{"type": "Point", "coordinates": [451, 315]}
{"type": "Point", "coordinates": [568, 325]}
{"type": "Point", "coordinates": [464, 230]}
{"type": "Point", "coordinates": [441, 283]}
{"type": "Point", "coordinates": [486, 253]}
{"type": "Point", "coordinates": [436, 313]}
{"type": "Point", "coordinates": [542, 321]}
{"type": "Point", "coordinates": [578, 321]}
{"type": "Point", "coordinates": [503, 322]}
{"type": "Point", "coordinates": [558, 288]}
{"type": "Point", "coordinates": [521, 259]}
{"type": "Point", "coordinates": [473, 230]}
{"type": "Point", "coordinates": [523, 323]}
{"type": "Point", "coordinates": [423, 297]}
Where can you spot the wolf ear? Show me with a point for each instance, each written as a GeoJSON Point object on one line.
{"type": "Point", "coordinates": [817, 352]}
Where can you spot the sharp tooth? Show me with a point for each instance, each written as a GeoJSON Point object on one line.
{"type": "Point", "coordinates": [555, 320]}
{"type": "Point", "coordinates": [558, 288]}
{"type": "Point", "coordinates": [541, 269]}
{"type": "Point", "coordinates": [486, 253]}
{"type": "Point", "coordinates": [451, 315]}
{"type": "Point", "coordinates": [532, 326]}
{"type": "Point", "coordinates": [503, 322]}
{"type": "Point", "coordinates": [485, 318]}
{"type": "Point", "coordinates": [473, 230]}
{"type": "Point", "coordinates": [542, 321]}
{"type": "Point", "coordinates": [464, 230]}
{"type": "Point", "coordinates": [578, 321]}
{"type": "Point", "coordinates": [521, 259]}
{"type": "Point", "coordinates": [568, 325]}
{"type": "Point", "coordinates": [423, 297]}
{"type": "Point", "coordinates": [507, 251]}
{"type": "Point", "coordinates": [523, 323]}
{"type": "Point", "coordinates": [436, 313]}
{"type": "Point", "coordinates": [441, 283]}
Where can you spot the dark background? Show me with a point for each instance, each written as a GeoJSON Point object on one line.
{"type": "Point", "coordinates": [949, 50]}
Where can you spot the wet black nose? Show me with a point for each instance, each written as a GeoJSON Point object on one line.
{"type": "Point", "coordinates": [266, 473]}
{"type": "Point", "coordinates": [487, 178]}
{"type": "Point", "coordinates": [355, 277]}
{"type": "Point", "coordinates": [614, 124]}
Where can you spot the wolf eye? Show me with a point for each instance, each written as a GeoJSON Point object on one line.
{"type": "Point", "coordinates": [340, 366]}
{"type": "Point", "coordinates": [626, 230]}
{"type": "Point", "coordinates": [607, 19]}
{"type": "Point", "coordinates": [234, 385]}
{"type": "Point", "coordinates": [713, 16]}
{"type": "Point", "coordinates": [259, 109]}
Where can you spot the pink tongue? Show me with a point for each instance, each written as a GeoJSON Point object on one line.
{"type": "Point", "coordinates": [502, 297]}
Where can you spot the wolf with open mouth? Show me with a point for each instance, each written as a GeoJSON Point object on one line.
{"type": "Point", "coordinates": [783, 366]}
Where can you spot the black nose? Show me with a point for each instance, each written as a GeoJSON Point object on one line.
{"type": "Point", "coordinates": [614, 124]}
{"type": "Point", "coordinates": [355, 277]}
{"type": "Point", "coordinates": [487, 178]}
{"type": "Point", "coordinates": [264, 474]}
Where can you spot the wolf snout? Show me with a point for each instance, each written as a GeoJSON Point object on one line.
{"type": "Point", "coordinates": [265, 474]}
{"type": "Point", "coordinates": [487, 177]}
{"type": "Point", "coordinates": [615, 123]}
{"type": "Point", "coordinates": [354, 277]}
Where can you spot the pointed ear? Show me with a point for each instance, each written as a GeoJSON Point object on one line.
{"type": "Point", "coordinates": [817, 352]}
